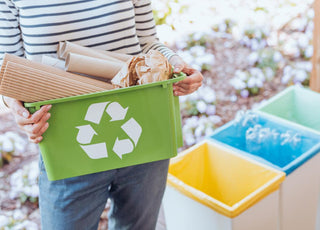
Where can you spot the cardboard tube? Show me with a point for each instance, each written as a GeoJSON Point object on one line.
{"type": "Point", "coordinates": [54, 62]}
{"type": "Point", "coordinates": [92, 66]}
{"type": "Point", "coordinates": [60, 49]}
{"type": "Point", "coordinates": [50, 69]}
{"type": "Point", "coordinates": [69, 47]}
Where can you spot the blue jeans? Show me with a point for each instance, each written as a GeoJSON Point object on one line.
{"type": "Point", "coordinates": [77, 203]}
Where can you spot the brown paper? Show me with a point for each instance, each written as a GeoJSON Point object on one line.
{"type": "Point", "coordinates": [142, 69]}
{"type": "Point", "coordinates": [68, 47]}
{"type": "Point", "coordinates": [92, 66]}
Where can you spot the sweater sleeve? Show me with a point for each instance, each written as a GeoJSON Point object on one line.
{"type": "Point", "coordinates": [146, 29]}
{"type": "Point", "coordinates": [10, 34]}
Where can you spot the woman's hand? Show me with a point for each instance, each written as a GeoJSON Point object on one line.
{"type": "Point", "coordinates": [191, 83]}
{"type": "Point", "coordinates": [33, 124]}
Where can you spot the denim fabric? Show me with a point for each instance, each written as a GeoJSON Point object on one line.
{"type": "Point", "coordinates": [77, 203]}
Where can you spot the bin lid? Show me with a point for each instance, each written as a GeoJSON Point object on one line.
{"type": "Point", "coordinates": [221, 178]}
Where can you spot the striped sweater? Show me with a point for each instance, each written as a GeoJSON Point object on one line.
{"type": "Point", "coordinates": [31, 28]}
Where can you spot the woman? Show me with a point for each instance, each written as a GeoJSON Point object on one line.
{"type": "Point", "coordinates": [32, 28]}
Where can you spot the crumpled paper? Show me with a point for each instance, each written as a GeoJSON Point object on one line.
{"type": "Point", "coordinates": [143, 69]}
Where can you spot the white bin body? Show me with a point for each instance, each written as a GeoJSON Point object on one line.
{"type": "Point", "coordinates": [299, 197]}
{"type": "Point", "coordinates": [184, 213]}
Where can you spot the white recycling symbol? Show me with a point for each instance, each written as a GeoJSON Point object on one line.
{"type": "Point", "coordinates": [117, 113]}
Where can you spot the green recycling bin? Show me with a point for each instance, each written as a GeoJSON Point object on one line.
{"type": "Point", "coordinates": [295, 104]}
{"type": "Point", "coordinates": [111, 129]}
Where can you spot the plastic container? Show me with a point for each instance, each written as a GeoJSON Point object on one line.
{"type": "Point", "coordinates": [299, 193]}
{"type": "Point", "coordinates": [111, 129]}
{"type": "Point", "coordinates": [295, 104]}
{"type": "Point", "coordinates": [213, 187]}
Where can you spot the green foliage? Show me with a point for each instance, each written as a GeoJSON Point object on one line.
{"type": "Point", "coordinates": [161, 15]}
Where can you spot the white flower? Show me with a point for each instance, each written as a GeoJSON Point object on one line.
{"type": "Point", "coordinates": [215, 119]}
{"type": "Point", "coordinates": [300, 75]}
{"type": "Point", "coordinates": [207, 94]}
{"type": "Point", "coordinates": [253, 58]}
{"type": "Point", "coordinates": [201, 106]}
{"type": "Point", "coordinates": [207, 59]}
{"type": "Point", "coordinates": [18, 214]}
{"type": "Point", "coordinates": [4, 221]}
{"type": "Point", "coordinates": [183, 99]}
{"type": "Point", "coordinates": [189, 139]}
{"type": "Point", "coordinates": [303, 41]}
{"type": "Point", "coordinates": [285, 79]}
{"type": "Point", "coordinates": [308, 51]}
{"type": "Point", "coordinates": [259, 83]}
{"type": "Point", "coordinates": [269, 73]}
{"type": "Point", "coordinates": [233, 98]}
{"type": "Point", "coordinates": [254, 44]}
{"type": "Point", "coordinates": [32, 191]}
{"type": "Point", "coordinates": [186, 56]}
{"type": "Point", "coordinates": [258, 73]}
{"type": "Point", "coordinates": [255, 82]}
{"type": "Point", "coordinates": [277, 56]}
{"type": "Point", "coordinates": [305, 65]}
{"type": "Point", "coordinates": [198, 132]}
{"type": "Point", "coordinates": [209, 131]}
{"type": "Point", "coordinates": [287, 70]}
{"type": "Point", "coordinates": [222, 27]}
{"type": "Point", "coordinates": [7, 145]}
{"type": "Point", "coordinates": [244, 93]}
{"type": "Point", "coordinates": [238, 84]}
{"type": "Point", "coordinates": [198, 50]}
{"type": "Point", "coordinates": [258, 33]}
{"type": "Point", "coordinates": [24, 181]}
{"type": "Point", "coordinates": [241, 75]}
{"type": "Point", "coordinates": [252, 82]}
{"type": "Point", "coordinates": [26, 225]}
{"type": "Point", "coordinates": [33, 172]}
{"type": "Point", "coordinates": [211, 110]}
{"type": "Point", "coordinates": [191, 122]}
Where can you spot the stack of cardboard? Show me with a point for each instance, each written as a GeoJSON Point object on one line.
{"type": "Point", "coordinates": [30, 81]}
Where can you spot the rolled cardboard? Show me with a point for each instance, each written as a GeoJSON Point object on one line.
{"type": "Point", "coordinates": [50, 69]}
{"type": "Point", "coordinates": [54, 62]}
{"type": "Point", "coordinates": [92, 66]}
{"type": "Point", "coordinates": [60, 49]}
{"type": "Point", "coordinates": [69, 47]}
{"type": "Point", "coordinates": [30, 85]}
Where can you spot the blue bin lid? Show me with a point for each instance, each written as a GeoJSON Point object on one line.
{"type": "Point", "coordinates": [282, 158]}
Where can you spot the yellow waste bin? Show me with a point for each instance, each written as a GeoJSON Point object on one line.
{"type": "Point", "coordinates": [213, 187]}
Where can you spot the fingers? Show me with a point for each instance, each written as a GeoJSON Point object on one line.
{"type": "Point", "coordinates": [37, 129]}
{"type": "Point", "coordinates": [34, 118]}
{"type": "Point", "coordinates": [177, 63]}
{"type": "Point", "coordinates": [34, 125]}
{"type": "Point", "coordinates": [186, 89]}
{"type": "Point", "coordinates": [188, 85]}
{"type": "Point", "coordinates": [17, 107]}
{"type": "Point", "coordinates": [38, 138]}
{"type": "Point", "coordinates": [178, 68]}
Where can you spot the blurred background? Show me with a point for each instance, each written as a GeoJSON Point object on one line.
{"type": "Point", "coordinates": [247, 50]}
